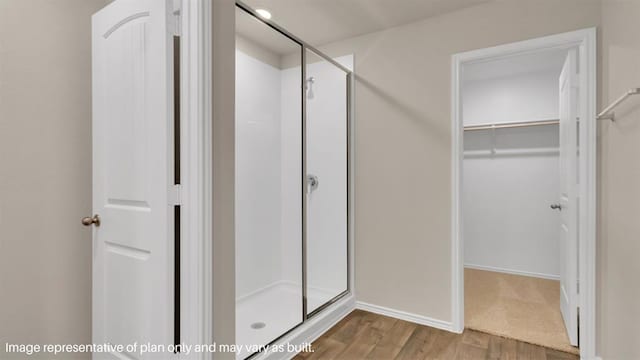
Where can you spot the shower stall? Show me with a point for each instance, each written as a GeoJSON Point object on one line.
{"type": "Point", "coordinates": [292, 181]}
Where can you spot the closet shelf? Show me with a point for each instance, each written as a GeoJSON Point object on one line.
{"type": "Point", "coordinates": [511, 125]}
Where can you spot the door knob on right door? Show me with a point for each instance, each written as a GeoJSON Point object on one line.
{"type": "Point", "coordinates": [556, 207]}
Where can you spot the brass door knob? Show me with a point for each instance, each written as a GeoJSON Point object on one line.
{"type": "Point", "coordinates": [88, 221]}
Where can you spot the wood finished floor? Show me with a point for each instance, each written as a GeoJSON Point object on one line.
{"type": "Point", "coordinates": [363, 335]}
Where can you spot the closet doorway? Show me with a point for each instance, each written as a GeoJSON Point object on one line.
{"type": "Point", "coordinates": [524, 191]}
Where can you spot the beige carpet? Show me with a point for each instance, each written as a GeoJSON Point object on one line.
{"type": "Point", "coordinates": [518, 307]}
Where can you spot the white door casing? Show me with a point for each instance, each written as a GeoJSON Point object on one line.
{"type": "Point", "coordinates": [132, 175]}
{"type": "Point", "coordinates": [584, 41]}
{"type": "Point", "coordinates": [568, 195]}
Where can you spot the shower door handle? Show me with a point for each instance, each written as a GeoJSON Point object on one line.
{"type": "Point", "coordinates": [312, 182]}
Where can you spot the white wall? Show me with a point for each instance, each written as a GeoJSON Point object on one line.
{"type": "Point", "coordinates": [521, 97]}
{"type": "Point", "coordinates": [507, 222]}
{"type": "Point", "coordinates": [269, 148]}
{"type": "Point", "coordinates": [258, 175]}
{"type": "Point", "coordinates": [327, 205]}
{"type": "Point", "coordinates": [291, 167]}
{"type": "Point", "coordinates": [326, 158]}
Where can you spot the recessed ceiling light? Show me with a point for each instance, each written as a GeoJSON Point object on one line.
{"type": "Point", "coordinates": [264, 13]}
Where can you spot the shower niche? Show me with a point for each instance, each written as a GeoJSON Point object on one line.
{"type": "Point", "coordinates": [292, 181]}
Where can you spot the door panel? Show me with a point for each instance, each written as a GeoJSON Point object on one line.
{"type": "Point", "coordinates": [268, 187]}
{"type": "Point", "coordinates": [132, 153]}
{"type": "Point", "coordinates": [568, 198]}
{"type": "Point", "coordinates": [326, 127]}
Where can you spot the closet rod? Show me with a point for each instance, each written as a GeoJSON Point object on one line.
{"type": "Point", "coordinates": [606, 114]}
{"type": "Point", "coordinates": [511, 125]}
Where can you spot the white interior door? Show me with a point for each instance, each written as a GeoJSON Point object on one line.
{"type": "Point", "coordinates": [132, 176]}
{"type": "Point", "coordinates": [568, 195]}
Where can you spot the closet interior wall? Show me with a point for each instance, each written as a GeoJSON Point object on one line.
{"type": "Point", "coordinates": [511, 175]}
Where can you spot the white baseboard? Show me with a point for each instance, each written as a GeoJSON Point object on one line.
{"type": "Point", "coordinates": [512, 272]}
{"type": "Point", "coordinates": [403, 315]}
{"type": "Point", "coordinates": [312, 329]}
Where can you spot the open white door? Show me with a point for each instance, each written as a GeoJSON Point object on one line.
{"type": "Point", "coordinates": [568, 195]}
{"type": "Point", "coordinates": [133, 263]}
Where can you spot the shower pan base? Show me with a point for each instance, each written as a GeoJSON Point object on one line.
{"type": "Point", "coordinates": [264, 316]}
{"type": "Point", "coordinates": [270, 306]}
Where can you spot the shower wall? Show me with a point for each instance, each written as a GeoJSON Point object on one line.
{"type": "Point", "coordinates": [257, 157]}
{"type": "Point", "coordinates": [270, 183]}
{"type": "Point", "coordinates": [268, 126]}
{"type": "Point", "coordinates": [290, 138]}
{"type": "Point", "coordinates": [269, 299]}
{"type": "Point", "coordinates": [326, 157]}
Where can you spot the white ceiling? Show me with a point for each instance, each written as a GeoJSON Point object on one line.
{"type": "Point", "coordinates": [543, 61]}
{"type": "Point", "coordinates": [319, 22]}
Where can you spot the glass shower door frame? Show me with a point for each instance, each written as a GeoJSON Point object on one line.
{"type": "Point", "coordinates": [349, 87]}
{"type": "Point", "coordinates": [349, 78]}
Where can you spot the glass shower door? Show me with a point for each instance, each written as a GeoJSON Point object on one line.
{"type": "Point", "coordinates": [269, 190]}
{"type": "Point", "coordinates": [327, 184]}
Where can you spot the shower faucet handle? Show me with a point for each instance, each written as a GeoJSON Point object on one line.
{"type": "Point", "coordinates": [312, 182]}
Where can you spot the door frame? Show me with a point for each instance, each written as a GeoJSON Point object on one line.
{"type": "Point", "coordinates": [196, 162]}
{"type": "Point", "coordinates": [585, 41]}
